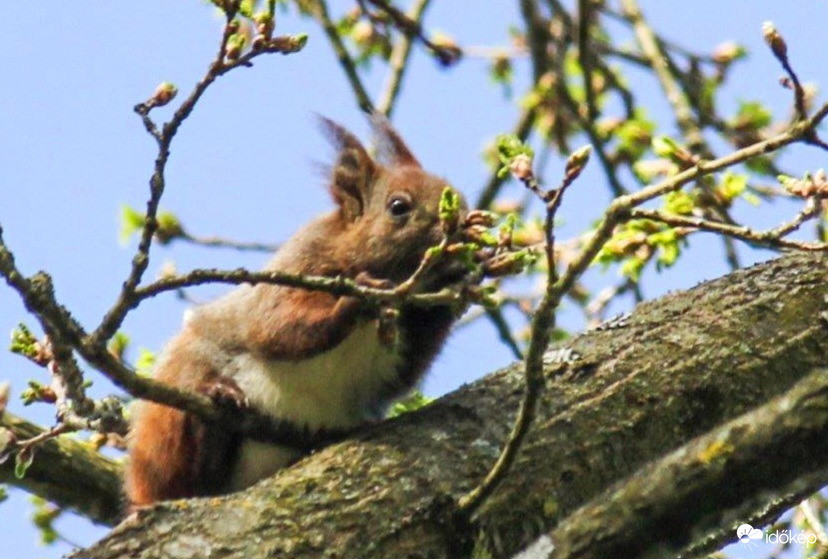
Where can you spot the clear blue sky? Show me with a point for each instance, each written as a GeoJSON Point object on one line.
{"type": "Point", "coordinates": [72, 151]}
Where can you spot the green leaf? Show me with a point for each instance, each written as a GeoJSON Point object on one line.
{"type": "Point", "coordinates": [169, 227]}
{"type": "Point", "coordinates": [665, 146]}
{"type": "Point", "coordinates": [23, 341]}
{"type": "Point", "coordinates": [634, 135]}
{"type": "Point", "coordinates": [131, 221]}
{"type": "Point", "coordinates": [501, 72]}
{"type": "Point", "coordinates": [509, 146]}
{"type": "Point", "coordinates": [247, 8]}
{"type": "Point", "coordinates": [679, 203]}
{"type": "Point", "coordinates": [145, 362]}
{"type": "Point", "coordinates": [22, 461]}
{"type": "Point", "coordinates": [414, 401]}
{"type": "Point", "coordinates": [449, 204]}
{"type": "Point", "coordinates": [632, 267]}
{"type": "Point", "coordinates": [44, 516]}
{"type": "Point", "coordinates": [761, 164]}
{"type": "Point", "coordinates": [751, 114]}
{"type": "Point", "coordinates": [731, 186]}
{"type": "Point", "coordinates": [32, 394]}
{"type": "Point", "coordinates": [118, 344]}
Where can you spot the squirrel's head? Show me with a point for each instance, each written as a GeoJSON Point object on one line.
{"type": "Point", "coordinates": [388, 207]}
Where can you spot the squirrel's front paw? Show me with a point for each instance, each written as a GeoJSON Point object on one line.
{"type": "Point", "coordinates": [224, 391]}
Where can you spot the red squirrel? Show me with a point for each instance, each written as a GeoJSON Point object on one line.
{"type": "Point", "coordinates": [306, 357]}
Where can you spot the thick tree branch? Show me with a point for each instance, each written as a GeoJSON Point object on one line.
{"type": "Point", "coordinates": [68, 473]}
{"type": "Point", "coordinates": [658, 511]}
{"type": "Point", "coordinates": [677, 369]}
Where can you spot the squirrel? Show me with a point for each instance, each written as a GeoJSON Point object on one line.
{"type": "Point", "coordinates": [309, 358]}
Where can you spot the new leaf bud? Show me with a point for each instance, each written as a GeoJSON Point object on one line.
{"type": "Point", "coordinates": [774, 40]}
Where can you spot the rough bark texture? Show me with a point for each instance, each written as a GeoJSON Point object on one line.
{"type": "Point", "coordinates": [713, 480]}
{"type": "Point", "coordinates": [67, 472]}
{"type": "Point", "coordinates": [683, 365]}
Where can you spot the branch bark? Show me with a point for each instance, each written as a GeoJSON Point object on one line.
{"type": "Point", "coordinates": [682, 366]}
{"type": "Point", "coordinates": [68, 473]}
{"type": "Point", "coordinates": [661, 508]}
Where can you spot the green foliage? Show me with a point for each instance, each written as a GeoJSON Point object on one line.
{"type": "Point", "coordinates": [636, 242]}
{"type": "Point", "coordinates": [43, 517]}
{"type": "Point", "coordinates": [679, 203]}
{"type": "Point", "coordinates": [751, 115]}
{"type": "Point", "coordinates": [648, 170]}
{"type": "Point", "coordinates": [145, 362]}
{"type": "Point", "coordinates": [132, 221]}
{"type": "Point", "coordinates": [730, 187]}
{"type": "Point", "coordinates": [414, 401]}
{"type": "Point", "coordinates": [4, 493]}
{"type": "Point", "coordinates": [369, 42]}
{"type": "Point", "coordinates": [635, 134]}
{"type": "Point", "coordinates": [449, 209]}
{"type": "Point", "coordinates": [118, 344]}
{"type": "Point", "coordinates": [23, 342]}
{"type": "Point", "coordinates": [236, 42]}
{"type": "Point", "coordinates": [36, 392]}
{"type": "Point", "coordinates": [667, 243]}
{"type": "Point", "coordinates": [502, 73]}
{"type": "Point", "coordinates": [168, 225]}
{"type": "Point", "coordinates": [22, 460]}
{"type": "Point", "coordinates": [509, 147]}
{"type": "Point", "coordinates": [247, 8]}
{"type": "Point", "coordinates": [668, 148]}
{"type": "Point", "coordinates": [761, 165]}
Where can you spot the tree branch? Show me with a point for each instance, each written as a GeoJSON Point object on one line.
{"type": "Point", "coordinates": [320, 12]}
{"type": "Point", "coordinates": [661, 508]}
{"type": "Point", "coordinates": [68, 473]}
{"type": "Point", "coordinates": [398, 62]}
{"type": "Point", "coordinates": [677, 369]}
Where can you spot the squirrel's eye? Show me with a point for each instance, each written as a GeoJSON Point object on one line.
{"type": "Point", "coordinates": [399, 206]}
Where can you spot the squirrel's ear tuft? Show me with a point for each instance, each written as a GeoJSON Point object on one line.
{"type": "Point", "coordinates": [390, 144]}
{"type": "Point", "coordinates": [352, 172]}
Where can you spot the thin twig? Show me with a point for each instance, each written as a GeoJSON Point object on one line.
{"type": "Point", "coordinates": [543, 323]}
{"type": "Point", "coordinates": [773, 238]}
{"type": "Point", "coordinates": [656, 56]}
{"type": "Point", "coordinates": [780, 50]}
{"type": "Point", "coordinates": [345, 59]}
{"type": "Point", "coordinates": [497, 318]}
{"type": "Point", "coordinates": [115, 316]}
{"type": "Point", "coordinates": [585, 14]}
{"type": "Point", "coordinates": [412, 27]}
{"type": "Point", "coordinates": [495, 182]}
{"type": "Point", "coordinates": [588, 125]}
{"type": "Point", "coordinates": [815, 525]}
{"type": "Point", "coordinates": [221, 242]}
{"type": "Point", "coordinates": [594, 310]}
{"type": "Point", "coordinates": [338, 285]}
{"type": "Point", "coordinates": [398, 62]}
{"type": "Point", "coordinates": [619, 209]}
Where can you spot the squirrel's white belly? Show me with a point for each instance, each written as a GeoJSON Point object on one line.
{"type": "Point", "coordinates": [339, 388]}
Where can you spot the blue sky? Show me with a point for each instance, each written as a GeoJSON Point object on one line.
{"type": "Point", "coordinates": [72, 152]}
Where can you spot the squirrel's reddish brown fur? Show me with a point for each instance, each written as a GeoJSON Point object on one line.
{"type": "Point", "coordinates": [307, 357]}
